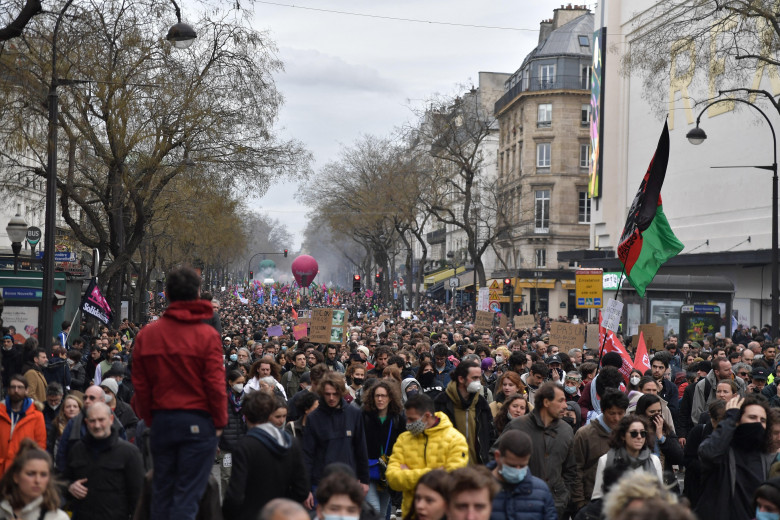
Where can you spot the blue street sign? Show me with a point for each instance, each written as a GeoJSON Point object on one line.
{"type": "Point", "coordinates": [59, 256]}
{"type": "Point", "coordinates": [22, 293]}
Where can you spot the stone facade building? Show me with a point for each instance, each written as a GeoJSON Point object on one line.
{"type": "Point", "coordinates": [543, 160]}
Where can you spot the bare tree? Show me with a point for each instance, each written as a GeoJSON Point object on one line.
{"type": "Point", "coordinates": [142, 115]}
{"type": "Point", "coordinates": [16, 16]}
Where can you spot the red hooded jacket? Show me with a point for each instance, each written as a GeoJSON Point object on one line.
{"type": "Point", "coordinates": [178, 364]}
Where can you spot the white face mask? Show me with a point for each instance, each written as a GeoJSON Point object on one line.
{"type": "Point", "coordinates": [634, 380]}
{"type": "Point", "coordinates": [474, 387]}
{"type": "Point", "coordinates": [238, 388]}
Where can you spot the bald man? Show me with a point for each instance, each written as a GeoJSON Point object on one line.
{"type": "Point", "coordinates": [283, 509]}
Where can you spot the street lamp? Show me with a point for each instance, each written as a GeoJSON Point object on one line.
{"type": "Point", "coordinates": [182, 36]}
{"type": "Point", "coordinates": [697, 136]}
{"type": "Point", "coordinates": [17, 232]}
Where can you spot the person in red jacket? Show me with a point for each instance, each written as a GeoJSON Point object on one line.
{"type": "Point", "coordinates": [19, 419]}
{"type": "Point", "coordinates": [179, 381]}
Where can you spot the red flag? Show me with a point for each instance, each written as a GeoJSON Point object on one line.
{"type": "Point", "coordinates": [295, 314]}
{"type": "Point", "coordinates": [641, 360]}
{"type": "Point", "coordinates": [613, 344]}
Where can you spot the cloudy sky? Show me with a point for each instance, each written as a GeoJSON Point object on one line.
{"type": "Point", "coordinates": [347, 75]}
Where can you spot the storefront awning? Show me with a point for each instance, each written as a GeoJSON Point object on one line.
{"type": "Point", "coordinates": [536, 283]}
{"type": "Point", "coordinates": [442, 275]}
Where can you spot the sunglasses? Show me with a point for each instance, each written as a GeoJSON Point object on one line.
{"type": "Point", "coordinates": [743, 374]}
{"type": "Point", "coordinates": [637, 433]}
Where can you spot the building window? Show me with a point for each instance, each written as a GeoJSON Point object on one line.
{"type": "Point", "coordinates": [542, 211]}
{"type": "Point", "coordinates": [544, 115]}
{"type": "Point", "coordinates": [526, 78]}
{"type": "Point", "coordinates": [520, 157]}
{"type": "Point", "coordinates": [584, 155]}
{"type": "Point", "coordinates": [584, 115]}
{"type": "Point", "coordinates": [546, 76]}
{"type": "Point", "coordinates": [584, 213]}
{"type": "Point", "coordinates": [541, 257]}
{"type": "Point", "coordinates": [583, 39]}
{"type": "Point", "coordinates": [543, 155]}
{"type": "Point", "coordinates": [585, 71]}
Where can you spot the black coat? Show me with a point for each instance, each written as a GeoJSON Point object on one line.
{"type": "Point", "coordinates": [12, 363]}
{"type": "Point", "coordinates": [127, 417]}
{"type": "Point", "coordinates": [377, 433]}
{"type": "Point", "coordinates": [335, 435]}
{"type": "Point", "coordinates": [115, 477]}
{"type": "Point", "coordinates": [263, 470]}
{"type": "Point", "coordinates": [78, 377]}
{"type": "Point", "coordinates": [486, 430]}
{"type": "Point", "coordinates": [235, 429]}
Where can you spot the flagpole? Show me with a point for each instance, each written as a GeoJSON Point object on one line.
{"type": "Point", "coordinates": [617, 298]}
{"type": "Point", "coordinates": [72, 322]}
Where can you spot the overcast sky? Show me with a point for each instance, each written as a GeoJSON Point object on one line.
{"type": "Point", "coordinates": [348, 75]}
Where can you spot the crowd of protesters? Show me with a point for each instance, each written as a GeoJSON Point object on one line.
{"type": "Point", "coordinates": [202, 414]}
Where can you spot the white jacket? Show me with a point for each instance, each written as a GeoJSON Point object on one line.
{"type": "Point", "coordinates": [31, 511]}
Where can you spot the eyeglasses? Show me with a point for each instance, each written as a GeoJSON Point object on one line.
{"type": "Point", "coordinates": [637, 433]}
{"type": "Point", "coordinates": [743, 374]}
{"type": "Point", "coordinates": [380, 396]}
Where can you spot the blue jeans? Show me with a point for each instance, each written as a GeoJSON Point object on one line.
{"type": "Point", "coordinates": [183, 445]}
{"type": "Point", "coordinates": [378, 499]}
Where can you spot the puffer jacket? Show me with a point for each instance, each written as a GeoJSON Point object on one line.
{"type": "Point", "coordinates": [30, 425]}
{"type": "Point", "coordinates": [530, 499]}
{"type": "Point", "coordinates": [552, 457]}
{"type": "Point", "coordinates": [441, 446]}
{"type": "Point", "coordinates": [235, 429]}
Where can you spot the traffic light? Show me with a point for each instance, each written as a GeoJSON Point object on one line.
{"type": "Point", "coordinates": [507, 286]}
{"type": "Point", "coordinates": [356, 283]}
{"type": "Point", "coordinates": [251, 275]}
{"type": "Point", "coordinates": [378, 278]}
{"type": "Point", "coordinates": [285, 253]}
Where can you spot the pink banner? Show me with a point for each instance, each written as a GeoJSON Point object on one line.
{"type": "Point", "coordinates": [300, 331]}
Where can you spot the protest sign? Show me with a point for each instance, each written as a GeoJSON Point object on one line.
{"type": "Point", "coordinates": [567, 335]}
{"type": "Point", "coordinates": [654, 337]}
{"type": "Point", "coordinates": [524, 322]}
{"type": "Point", "coordinates": [300, 331]}
{"type": "Point", "coordinates": [276, 330]}
{"type": "Point", "coordinates": [502, 320]}
{"type": "Point", "coordinates": [321, 323]}
{"type": "Point", "coordinates": [592, 338]}
{"type": "Point", "coordinates": [484, 320]}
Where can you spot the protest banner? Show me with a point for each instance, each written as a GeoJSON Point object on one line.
{"type": "Point", "coordinates": [592, 337]}
{"type": "Point", "coordinates": [300, 331]}
{"type": "Point", "coordinates": [524, 322]}
{"type": "Point", "coordinates": [484, 320]}
{"type": "Point", "coordinates": [654, 337]}
{"type": "Point", "coordinates": [321, 323]}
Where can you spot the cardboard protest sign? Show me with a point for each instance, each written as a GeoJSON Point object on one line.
{"type": "Point", "coordinates": [383, 317]}
{"type": "Point", "coordinates": [502, 320]}
{"type": "Point", "coordinates": [567, 335]}
{"type": "Point", "coordinates": [321, 323]}
{"type": "Point", "coordinates": [304, 316]}
{"type": "Point", "coordinates": [524, 322]}
{"type": "Point", "coordinates": [276, 330]}
{"type": "Point", "coordinates": [300, 331]}
{"type": "Point", "coordinates": [654, 337]}
{"type": "Point", "coordinates": [592, 338]}
{"type": "Point", "coordinates": [484, 320]}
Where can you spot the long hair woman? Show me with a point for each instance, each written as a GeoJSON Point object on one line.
{"type": "Point", "coordinates": [28, 488]}
{"type": "Point", "coordinates": [71, 406]}
{"type": "Point", "coordinates": [383, 421]}
{"type": "Point", "coordinates": [630, 447]}
{"type": "Point", "coordinates": [430, 496]}
{"type": "Point", "coordinates": [507, 384]}
{"type": "Point", "coordinates": [514, 406]}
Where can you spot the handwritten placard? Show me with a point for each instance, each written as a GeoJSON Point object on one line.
{"type": "Point", "coordinates": [484, 320]}
{"type": "Point", "coordinates": [567, 335]}
{"type": "Point", "coordinates": [300, 331]}
{"type": "Point", "coordinates": [321, 323]}
{"type": "Point", "coordinates": [524, 322]}
{"type": "Point", "coordinates": [502, 320]}
{"type": "Point", "coordinates": [654, 337]}
{"type": "Point", "coordinates": [592, 340]}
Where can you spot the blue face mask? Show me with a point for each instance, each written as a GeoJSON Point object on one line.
{"type": "Point", "coordinates": [513, 475]}
{"type": "Point", "coordinates": [766, 515]}
{"type": "Point", "coordinates": [339, 517]}
{"type": "Point", "coordinates": [233, 357]}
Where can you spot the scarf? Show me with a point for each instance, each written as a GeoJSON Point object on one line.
{"type": "Point", "coordinates": [465, 418]}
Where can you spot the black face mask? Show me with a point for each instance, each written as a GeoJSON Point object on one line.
{"type": "Point", "coordinates": [750, 436]}
{"type": "Point", "coordinates": [569, 421]}
{"type": "Point", "coordinates": [428, 379]}
{"type": "Point", "coordinates": [357, 380]}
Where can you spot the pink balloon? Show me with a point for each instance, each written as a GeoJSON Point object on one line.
{"type": "Point", "coordinates": [304, 269]}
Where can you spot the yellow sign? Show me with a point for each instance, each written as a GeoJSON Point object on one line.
{"type": "Point", "coordinates": [589, 288]}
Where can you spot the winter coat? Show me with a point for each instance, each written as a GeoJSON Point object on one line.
{"type": "Point", "coordinates": [530, 499]}
{"type": "Point", "coordinates": [684, 423]}
{"type": "Point", "coordinates": [552, 457]}
{"type": "Point", "coordinates": [57, 370]}
{"type": "Point", "coordinates": [378, 434]}
{"type": "Point", "coordinates": [590, 443]}
{"type": "Point", "coordinates": [671, 395]}
{"type": "Point", "coordinates": [12, 363]}
{"type": "Point", "coordinates": [449, 400]}
{"type": "Point", "coordinates": [693, 476]}
{"type": "Point", "coordinates": [78, 377]}
{"type": "Point", "coordinates": [115, 475]}
{"type": "Point", "coordinates": [74, 431]}
{"type": "Point", "coordinates": [443, 375]}
{"type": "Point", "coordinates": [719, 470]}
{"type": "Point", "coordinates": [291, 381]}
{"type": "Point", "coordinates": [700, 401]}
{"type": "Point", "coordinates": [36, 384]}
{"type": "Point", "coordinates": [235, 429]}
{"type": "Point", "coordinates": [335, 435]}
{"type": "Point", "coordinates": [179, 343]}
{"type": "Point", "coordinates": [30, 425]}
{"type": "Point", "coordinates": [440, 446]}
{"type": "Point", "coordinates": [31, 511]}
{"type": "Point", "coordinates": [647, 462]}
{"type": "Point", "coordinates": [267, 464]}
{"type": "Point", "coordinates": [127, 418]}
